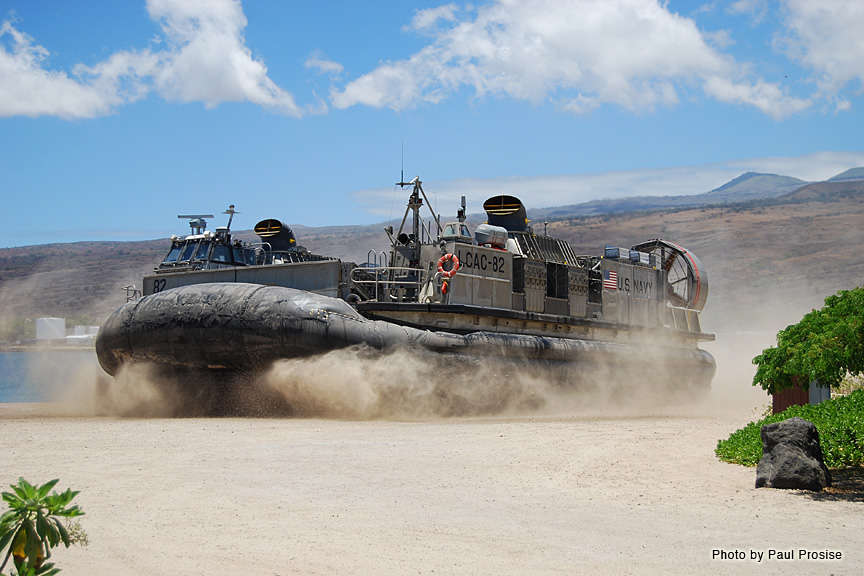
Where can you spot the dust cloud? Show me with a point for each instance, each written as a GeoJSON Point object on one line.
{"type": "Point", "coordinates": [744, 325]}
{"type": "Point", "coordinates": [351, 384]}
{"type": "Point", "coordinates": [142, 390]}
{"type": "Point", "coordinates": [359, 384]}
{"type": "Point", "coordinates": [364, 384]}
{"type": "Point", "coordinates": [56, 380]}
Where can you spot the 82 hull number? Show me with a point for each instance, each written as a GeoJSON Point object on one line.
{"type": "Point", "coordinates": [476, 260]}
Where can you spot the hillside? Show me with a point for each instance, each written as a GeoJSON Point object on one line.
{"type": "Point", "coordinates": [851, 174]}
{"type": "Point", "coordinates": [748, 186]}
{"type": "Point", "coordinates": [753, 186]}
{"type": "Point", "coordinates": [81, 281]}
{"type": "Point", "coordinates": [772, 256]}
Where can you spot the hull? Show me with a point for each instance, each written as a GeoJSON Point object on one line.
{"type": "Point", "coordinates": [236, 327]}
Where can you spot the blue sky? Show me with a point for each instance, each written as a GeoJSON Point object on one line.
{"type": "Point", "coordinates": [117, 116]}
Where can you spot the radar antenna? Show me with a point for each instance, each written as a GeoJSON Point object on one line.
{"type": "Point", "coordinates": [197, 222]}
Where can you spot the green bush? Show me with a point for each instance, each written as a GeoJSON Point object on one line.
{"type": "Point", "coordinates": [32, 527]}
{"type": "Point", "coordinates": [826, 345]}
{"type": "Point", "coordinates": [840, 423]}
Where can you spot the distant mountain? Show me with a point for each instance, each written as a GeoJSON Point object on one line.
{"type": "Point", "coordinates": [753, 185]}
{"type": "Point", "coordinates": [851, 174]}
{"type": "Point", "coordinates": [617, 206]}
{"type": "Point", "coordinates": [830, 191]}
{"type": "Point", "coordinates": [748, 186]}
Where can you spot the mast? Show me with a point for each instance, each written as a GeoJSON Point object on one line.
{"type": "Point", "coordinates": [231, 213]}
{"type": "Point", "coordinates": [415, 202]}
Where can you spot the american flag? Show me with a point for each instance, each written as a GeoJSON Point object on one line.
{"type": "Point", "coordinates": [610, 280]}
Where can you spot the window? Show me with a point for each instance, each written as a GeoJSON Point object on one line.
{"type": "Point", "coordinates": [188, 250]}
{"type": "Point", "coordinates": [202, 251]}
{"type": "Point", "coordinates": [173, 253]}
{"type": "Point", "coordinates": [221, 253]}
{"type": "Point", "coordinates": [242, 256]}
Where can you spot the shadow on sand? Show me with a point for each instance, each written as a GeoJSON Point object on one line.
{"type": "Point", "coordinates": [848, 486]}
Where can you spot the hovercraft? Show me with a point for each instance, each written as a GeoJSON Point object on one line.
{"type": "Point", "coordinates": [218, 305]}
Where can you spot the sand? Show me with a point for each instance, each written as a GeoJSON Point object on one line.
{"type": "Point", "coordinates": [587, 492]}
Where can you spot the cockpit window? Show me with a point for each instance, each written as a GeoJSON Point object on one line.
{"type": "Point", "coordinates": [203, 250]}
{"type": "Point", "coordinates": [221, 253]}
{"type": "Point", "coordinates": [455, 230]}
{"type": "Point", "coordinates": [242, 256]}
{"type": "Point", "coordinates": [173, 253]}
{"type": "Point", "coordinates": [188, 250]}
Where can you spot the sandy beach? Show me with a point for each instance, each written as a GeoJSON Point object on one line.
{"type": "Point", "coordinates": [590, 491]}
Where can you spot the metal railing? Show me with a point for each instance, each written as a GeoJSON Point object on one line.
{"type": "Point", "coordinates": [389, 283]}
{"type": "Point", "coordinates": [132, 293]}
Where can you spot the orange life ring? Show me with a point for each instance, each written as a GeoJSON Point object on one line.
{"type": "Point", "coordinates": [455, 265]}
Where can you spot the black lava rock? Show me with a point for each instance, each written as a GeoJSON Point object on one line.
{"type": "Point", "coordinates": [792, 457]}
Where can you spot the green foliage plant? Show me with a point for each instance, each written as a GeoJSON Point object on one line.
{"type": "Point", "coordinates": [826, 345]}
{"type": "Point", "coordinates": [840, 422]}
{"type": "Point", "coordinates": [32, 526]}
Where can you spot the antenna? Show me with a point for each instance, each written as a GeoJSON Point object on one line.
{"type": "Point", "coordinates": [402, 173]}
{"type": "Point", "coordinates": [197, 222]}
{"type": "Point", "coordinates": [231, 213]}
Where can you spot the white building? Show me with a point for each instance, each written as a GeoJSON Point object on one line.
{"type": "Point", "coordinates": [50, 328]}
{"type": "Point", "coordinates": [86, 330]}
{"type": "Point", "coordinates": [83, 336]}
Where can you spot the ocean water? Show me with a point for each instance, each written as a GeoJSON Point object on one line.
{"type": "Point", "coordinates": [45, 375]}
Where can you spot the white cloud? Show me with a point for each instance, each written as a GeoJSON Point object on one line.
{"type": "Point", "coordinates": [765, 96]}
{"type": "Point", "coordinates": [203, 58]}
{"type": "Point", "coordinates": [207, 59]}
{"type": "Point", "coordinates": [424, 19]}
{"type": "Point", "coordinates": [581, 54]}
{"type": "Point", "coordinates": [316, 61]}
{"type": "Point", "coordinates": [825, 36]}
{"type": "Point", "coordinates": [757, 10]}
{"type": "Point", "coordinates": [719, 39]}
{"type": "Point", "coordinates": [576, 54]}
{"type": "Point", "coordinates": [563, 190]}
{"type": "Point", "coordinates": [27, 89]}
